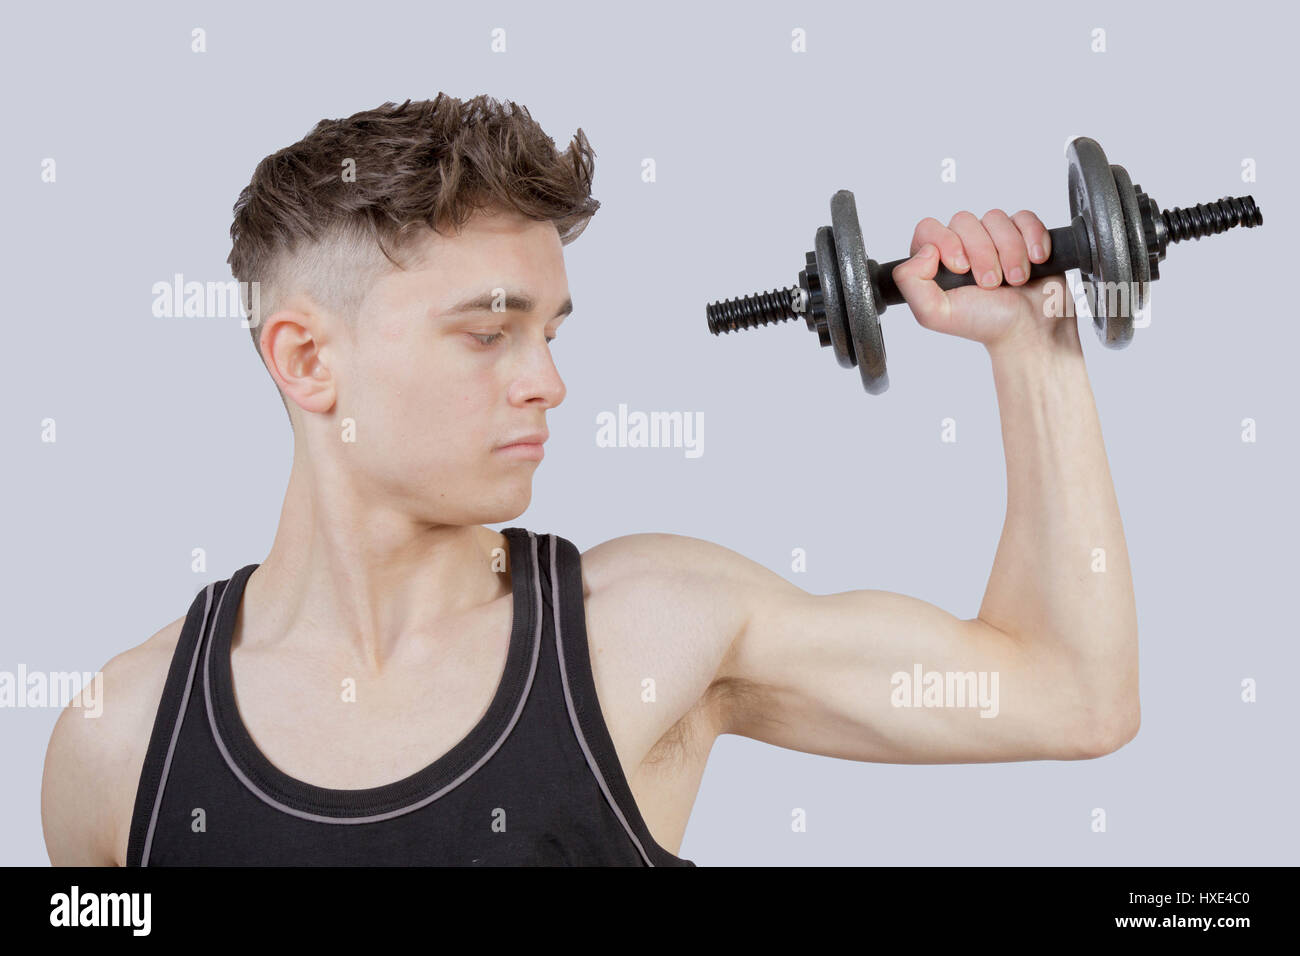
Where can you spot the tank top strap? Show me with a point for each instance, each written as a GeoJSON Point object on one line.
{"type": "Point", "coordinates": [167, 721]}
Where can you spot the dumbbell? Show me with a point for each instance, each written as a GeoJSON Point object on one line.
{"type": "Point", "coordinates": [1116, 238]}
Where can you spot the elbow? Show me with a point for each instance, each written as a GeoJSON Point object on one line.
{"type": "Point", "coordinates": [1108, 714]}
{"type": "Point", "coordinates": [1099, 736]}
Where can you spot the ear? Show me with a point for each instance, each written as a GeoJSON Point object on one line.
{"type": "Point", "coordinates": [292, 348]}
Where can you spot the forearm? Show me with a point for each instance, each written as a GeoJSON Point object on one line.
{"type": "Point", "coordinates": [1061, 578]}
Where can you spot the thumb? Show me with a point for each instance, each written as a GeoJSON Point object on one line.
{"type": "Point", "coordinates": [915, 280]}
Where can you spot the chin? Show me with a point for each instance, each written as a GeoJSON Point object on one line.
{"type": "Point", "coordinates": [509, 503]}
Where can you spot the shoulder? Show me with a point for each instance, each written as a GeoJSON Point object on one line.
{"type": "Point", "coordinates": [669, 608]}
{"type": "Point", "coordinates": [674, 556]}
{"type": "Point", "coordinates": [670, 571]}
{"type": "Point", "coordinates": [691, 574]}
{"type": "Point", "coordinates": [96, 753]}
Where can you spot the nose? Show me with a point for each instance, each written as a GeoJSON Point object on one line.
{"type": "Point", "coordinates": [538, 379]}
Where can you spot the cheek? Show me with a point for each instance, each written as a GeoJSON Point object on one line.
{"type": "Point", "coordinates": [429, 395]}
{"type": "Point", "coordinates": [445, 401]}
{"type": "Point", "coordinates": [394, 372]}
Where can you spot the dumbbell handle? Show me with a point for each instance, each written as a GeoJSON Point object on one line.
{"type": "Point", "coordinates": [1069, 250]}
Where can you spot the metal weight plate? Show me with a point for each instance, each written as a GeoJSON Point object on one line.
{"type": "Point", "coordinates": [859, 300]}
{"type": "Point", "coordinates": [1137, 240]}
{"type": "Point", "coordinates": [828, 273]}
{"type": "Point", "coordinates": [1095, 197]}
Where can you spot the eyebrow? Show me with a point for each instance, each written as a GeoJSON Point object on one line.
{"type": "Point", "coordinates": [514, 301]}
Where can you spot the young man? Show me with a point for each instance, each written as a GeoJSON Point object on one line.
{"type": "Point", "coordinates": [396, 683]}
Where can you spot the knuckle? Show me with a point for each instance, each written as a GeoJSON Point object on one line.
{"type": "Point", "coordinates": [995, 214]}
{"type": "Point", "coordinates": [1026, 220]}
{"type": "Point", "coordinates": [963, 215]}
{"type": "Point", "coordinates": [925, 317]}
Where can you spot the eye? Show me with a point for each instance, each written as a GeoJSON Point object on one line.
{"type": "Point", "coordinates": [495, 337]}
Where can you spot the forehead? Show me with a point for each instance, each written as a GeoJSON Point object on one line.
{"type": "Point", "coordinates": [497, 245]}
{"type": "Point", "coordinates": [501, 249]}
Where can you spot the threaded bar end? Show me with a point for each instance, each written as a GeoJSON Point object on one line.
{"type": "Point", "coordinates": [752, 311]}
{"type": "Point", "coordinates": [1208, 219]}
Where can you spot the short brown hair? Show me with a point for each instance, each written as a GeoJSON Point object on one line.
{"type": "Point", "coordinates": [304, 224]}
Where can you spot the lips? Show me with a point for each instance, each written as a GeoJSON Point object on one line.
{"type": "Point", "coordinates": [525, 449]}
{"type": "Point", "coordinates": [533, 438]}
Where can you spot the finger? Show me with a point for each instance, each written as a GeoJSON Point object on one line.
{"type": "Point", "coordinates": [948, 243]}
{"type": "Point", "coordinates": [1013, 254]}
{"type": "Point", "coordinates": [1036, 235]}
{"type": "Point", "coordinates": [915, 280]}
{"type": "Point", "coordinates": [980, 248]}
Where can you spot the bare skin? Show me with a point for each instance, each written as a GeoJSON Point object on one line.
{"type": "Point", "coordinates": [381, 569]}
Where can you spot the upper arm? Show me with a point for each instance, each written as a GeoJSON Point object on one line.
{"type": "Point", "coordinates": [825, 674]}
{"type": "Point", "coordinates": [95, 754]}
{"type": "Point", "coordinates": [78, 832]}
{"type": "Point", "coordinates": [836, 674]}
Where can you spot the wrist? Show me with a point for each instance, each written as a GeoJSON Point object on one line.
{"type": "Point", "coordinates": [1038, 339]}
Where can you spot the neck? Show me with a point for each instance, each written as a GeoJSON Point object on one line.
{"type": "Point", "coordinates": [350, 570]}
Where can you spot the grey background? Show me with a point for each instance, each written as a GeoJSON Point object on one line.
{"type": "Point", "coordinates": [170, 435]}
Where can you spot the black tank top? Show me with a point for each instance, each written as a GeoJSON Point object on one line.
{"type": "Point", "coordinates": [536, 782]}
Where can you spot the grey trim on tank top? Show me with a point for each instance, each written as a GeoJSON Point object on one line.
{"type": "Point", "coordinates": [176, 729]}
{"type": "Point", "coordinates": [573, 716]}
{"type": "Point", "coordinates": [207, 639]}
